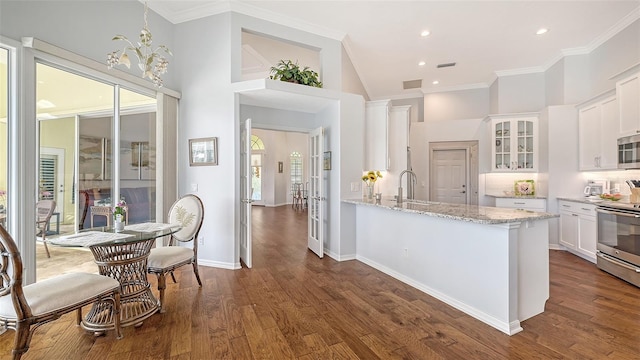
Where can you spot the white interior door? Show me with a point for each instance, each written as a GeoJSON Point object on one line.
{"type": "Point", "coordinates": [245, 192]}
{"type": "Point", "coordinates": [315, 195]}
{"type": "Point", "coordinates": [449, 176]}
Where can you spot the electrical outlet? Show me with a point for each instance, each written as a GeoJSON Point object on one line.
{"type": "Point", "coordinates": [616, 188]}
{"type": "Point", "coordinates": [194, 187]}
{"type": "Point", "coordinates": [355, 186]}
{"type": "Point", "coordinates": [201, 240]}
{"type": "Point", "coordinates": [406, 252]}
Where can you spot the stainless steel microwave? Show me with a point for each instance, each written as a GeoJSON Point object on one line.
{"type": "Point", "coordinates": [629, 152]}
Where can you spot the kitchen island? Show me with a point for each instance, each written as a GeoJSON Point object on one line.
{"type": "Point", "coordinates": [491, 263]}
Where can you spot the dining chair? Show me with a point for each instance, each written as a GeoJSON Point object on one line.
{"type": "Point", "coordinates": [25, 308]}
{"type": "Point", "coordinates": [187, 211]}
{"type": "Point", "coordinates": [44, 210]}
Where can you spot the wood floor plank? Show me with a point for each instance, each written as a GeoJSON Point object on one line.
{"type": "Point", "coordinates": [294, 305]}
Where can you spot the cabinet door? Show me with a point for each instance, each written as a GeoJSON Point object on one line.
{"type": "Point", "coordinates": [628, 92]}
{"type": "Point", "coordinates": [587, 229]}
{"type": "Point", "coordinates": [526, 146]}
{"type": "Point", "coordinates": [608, 158]}
{"type": "Point", "coordinates": [376, 130]}
{"type": "Point", "coordinates": [501, 134]}
{"type": "Point", "coordinates": [568, 229]}
{"type": "Point", "coordinates": [589, 137]}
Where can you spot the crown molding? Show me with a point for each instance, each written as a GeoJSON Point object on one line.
{"type": "Point", "coordinates": [201, 10]}
{"type": "Point", "coordinates": [521, 71]}
{"type": "Point", "coordinates": [416, 93]}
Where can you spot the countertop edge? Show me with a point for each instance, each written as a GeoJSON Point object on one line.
{"type": "Point", "coordinates": [517, 196]}
{"type": "Point", "coordinates": [539, 215]}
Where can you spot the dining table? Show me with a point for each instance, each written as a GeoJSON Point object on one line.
{"type": "Point", "coordinates": [123, 256]}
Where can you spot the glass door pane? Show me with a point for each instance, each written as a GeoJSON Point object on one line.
{"type": "Point", "coordinates": [256, 177]}
{"type": "Point", "coordinates": [137, 164]}
{"type": "Point", "coordinates": [68, 104]}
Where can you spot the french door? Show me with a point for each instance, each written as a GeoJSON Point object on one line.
{"type": "Point", "coordinates": [315, 240]}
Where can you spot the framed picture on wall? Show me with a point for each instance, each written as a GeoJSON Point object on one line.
{"type": "Point", "coordinates": [203, 151]}
{"type": "Point", "coordinates": [326, 160]}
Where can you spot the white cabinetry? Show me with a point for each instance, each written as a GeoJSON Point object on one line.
{"type": "Point", "coordinates": [628, 92]}
{"type": "Point", "coordinates": [514, 142]}
{"type": "Point", "coordinates": [377, 135]}
{"type": "Point", "coordinates": [522, 204]}
{"type": "Point", "coordinates": [598, 133]}
{"type": "Point", "coordinates": [578, 228]}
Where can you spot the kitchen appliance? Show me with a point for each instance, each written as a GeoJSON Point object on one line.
{"type": "Point", "coordinates": [596, 187]}
{"type": "Point", "coordinates": [629, 152]}
{"type": "Point", "coordinates": [618, 247]}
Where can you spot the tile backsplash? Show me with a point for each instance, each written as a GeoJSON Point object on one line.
{"type": "Point", "coordinates": [615, 178]}
{"type": "Point", "coordinates": [498, 183]}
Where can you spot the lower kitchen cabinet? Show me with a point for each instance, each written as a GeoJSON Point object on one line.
{"type": "Point", "coordinates": [578, 228]}
{"type": "Point", "coordinates": [531, 204]}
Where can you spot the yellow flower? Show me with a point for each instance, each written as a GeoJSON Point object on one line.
{"type": "Point", "coordinates": [371, 177]}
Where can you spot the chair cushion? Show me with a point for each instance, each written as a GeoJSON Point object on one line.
{"type": "Point", "coordinates": [167, 256]}
{"type": "Point", "coordinates": [61, 291]}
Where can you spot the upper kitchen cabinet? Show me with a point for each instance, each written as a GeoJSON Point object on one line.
{"type": "Point", "coordinates": [598, 132]}
{"type": "Point", "coordinates": [514, 139]}
{"type": "Point", "coordinates": [628, 92]}
{"type": "Point", "coordinates": [399, 119]}
{"type": "Point", "coordinates": [377, 135]}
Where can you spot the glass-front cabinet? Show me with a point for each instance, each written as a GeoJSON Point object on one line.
{"type": "Point", "coordinates": [514, 142]}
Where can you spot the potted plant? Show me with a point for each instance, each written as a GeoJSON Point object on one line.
{"type": "Point", "coordinates": [288, 71]}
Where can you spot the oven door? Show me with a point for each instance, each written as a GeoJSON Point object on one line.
{"type": "Point", "coordinates": [619, 234]}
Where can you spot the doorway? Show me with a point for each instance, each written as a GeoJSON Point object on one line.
{"type": "Point", "coordinates": [453, 172]}
{"type": "Point", "coordinates": [282, 162]}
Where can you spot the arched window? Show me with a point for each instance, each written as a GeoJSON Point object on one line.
{"type": "Point", "coordinates": [256, 143]}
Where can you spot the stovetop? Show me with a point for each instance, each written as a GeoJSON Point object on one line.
{"type": "Point", "coordinates": [622, 204]}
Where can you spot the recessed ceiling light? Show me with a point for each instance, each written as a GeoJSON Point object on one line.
{"type": "Point", "coordinates": [425, 33]}
{"type": "Point", "coordinates": [542, 31]}
{"type": "Point", "coordinates": [435, 82]}
{"type": "Point", "coordinates": [422, 63]}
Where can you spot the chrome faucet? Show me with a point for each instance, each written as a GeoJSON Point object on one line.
{"type": "Point", "coordinates": [410, 181]}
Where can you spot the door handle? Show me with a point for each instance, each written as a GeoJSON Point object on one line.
{"type": "Point", "coordinates": [247, 201]}
{"type": "Point", "coordinates": [463, 192]}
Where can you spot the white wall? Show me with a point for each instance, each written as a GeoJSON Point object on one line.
{"type": "Point", "coordinates": [521, 93]}
{"type": "Point", "coordinates": [554, 84]}
{"type": "Point", "coordinates": [351, 82]}
{"type": "Point", "coordinates": [87, 27]}
{"type": "Point", "coordinates": [465, 104]}
{"type": "Point", "coordinates": [278, 147]}
{"type": "Point", "coordinates": [417, 107]}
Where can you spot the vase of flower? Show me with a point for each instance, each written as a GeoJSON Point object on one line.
{"type": "Point", "coordinates": [370, 179]}
{"type": "Point", "coordinates": [370, 191]}
{"type": "Point", "coordinates": [118, 222]}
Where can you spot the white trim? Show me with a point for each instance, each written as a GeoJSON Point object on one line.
{"type": "Point", "coordinates": [521, 71]}
{"type": "Point", "coordinates": [628, 71]}
{"type": "Point", "coordinates": [614, 30]}
{"type": "Point", "coordinates": [338, 257]}
{"type": "Point", "coordinates": [220, 264]}
{"type": "Point", "coordinates": [557, 247]}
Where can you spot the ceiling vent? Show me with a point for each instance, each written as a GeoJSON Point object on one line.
{"type": "Point", "coordinates": [446, 65]}
{"type": "Point", "coordinates": [412, 84]}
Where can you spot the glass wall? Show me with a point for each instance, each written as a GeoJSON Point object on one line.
{"type": "Point", "coordinates": [77, 147]}
{"type": "Point", "coordinates": [4, 145]}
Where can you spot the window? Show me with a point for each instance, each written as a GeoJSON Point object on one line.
{"type": "Point", "coordinates": [256, 143]}
{"type": "Point", "coordinates": [296, 168]}
{"type": "Point", "coordinates": [257, 150]}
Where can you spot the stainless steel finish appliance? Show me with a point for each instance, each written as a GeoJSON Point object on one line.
{"type": "Point", "coordinates": [619, 240]}
{"type": "Point", "coordinates": [629, 152]}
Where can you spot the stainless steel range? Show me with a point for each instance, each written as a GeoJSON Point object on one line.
{"type": "Point", "coordinates": [619, 240]}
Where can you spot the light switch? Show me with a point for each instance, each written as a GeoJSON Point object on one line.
{"type": "Point", "coordinates": [194, 187]}
{"type": "Point", "coordinates": [355, 186]}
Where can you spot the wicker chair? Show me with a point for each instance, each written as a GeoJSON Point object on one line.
{"type": "Point", "coordinates": [44, 210]}
{"type": "Point", "coordinates": [24, 308]}
{"type": "Point", "coordinates": [188, 211]}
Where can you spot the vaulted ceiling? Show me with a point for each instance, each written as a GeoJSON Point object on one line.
{"type": "Point", "coordinates": [483, 38]}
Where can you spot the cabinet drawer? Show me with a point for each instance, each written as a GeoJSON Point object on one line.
{"type": "Point", "coordinates": [529, 204]}
{"type": "Point", "coordinates": [578, 208]}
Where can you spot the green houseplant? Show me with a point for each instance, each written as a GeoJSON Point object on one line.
{"type": "Point", "coordinates": [287, 70]}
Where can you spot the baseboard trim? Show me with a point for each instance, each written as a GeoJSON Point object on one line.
{"type": "Point", "coordinates": [220, 264]}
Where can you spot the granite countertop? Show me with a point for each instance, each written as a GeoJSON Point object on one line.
{"type": "Point", "coordinates": [582, 200]}
{"type": "Point", "coordinates": [471, 213]}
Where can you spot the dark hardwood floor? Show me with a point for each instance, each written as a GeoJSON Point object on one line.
{"type": "Point", "coordinates": [293, 305]}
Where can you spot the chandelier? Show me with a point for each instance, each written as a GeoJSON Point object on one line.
{"type": "Point", "coordinates": [150, 61]}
